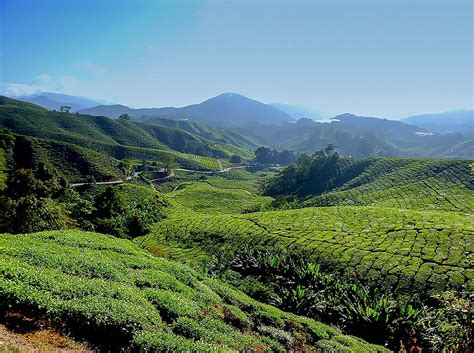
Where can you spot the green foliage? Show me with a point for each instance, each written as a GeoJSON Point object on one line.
{"type": "Point", "coordinates": [294, 284]}
{"type": "Point", "coordinates": [412, 252]}
{"type": "Point", "coordinates": [27, 203]}
{"type": "Point", "coordinates": [117, 296]}
{"type": "Point", "coordinates": [449, 328]}
{"type": "Point", "coordinates": [126, 210]}
{"type": "Point", "coordinates": [386, 182]}
{"type": "Point", "coordinates": [264, 155]}
{"type": "Point", "coordinates": [203, 197]}
{"type": "Point", "coordinates": [3, 167]}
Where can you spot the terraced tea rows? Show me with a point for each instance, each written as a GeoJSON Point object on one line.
{"type": "Point", "coordinates": [239, 179]}
{"type": "Point", "coordinates": [202, 162]}
{"type": "Point", "coordinates": [202, 197]}
{"type": "Point", "coordinates": [410, 251]}
{"type": "Point", "coordinates": [119, 297]}
{"type": "Point", "coordinates": [406, 183]}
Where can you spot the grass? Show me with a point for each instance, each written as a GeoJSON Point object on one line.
{"type": "Point", "coordinates": [118, 296]}
{"type": "Point", "coordinates": [409, 251]}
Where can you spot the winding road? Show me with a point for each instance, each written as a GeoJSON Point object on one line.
{"type": "Point", "coordinates": [162, 170]}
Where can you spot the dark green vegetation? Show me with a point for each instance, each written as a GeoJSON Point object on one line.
{"type": "Point", "coordinates": [265, 155]}
{"type": "Point", "coordinates": [37, 198]}
{"type": "Point", "coordinates": [219, 135]}
{"type": "Point", "coordinates": [324, 179]}
{"type": "Point", "coordinates": [292, 283]}
{"type": "Point", "coordinates": [117, 296]}
{"type": "Point", "coordinates": [75, 163]}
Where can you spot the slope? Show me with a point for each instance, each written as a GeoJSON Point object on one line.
{"type": "Point", "coordinates": [119, 138]}
{"type": "Point", "coordinates": [422, 184]}
{"type": "Point", "coordinates": [116, 296]}
{"type": "Point", "coordinates": [406, 251]}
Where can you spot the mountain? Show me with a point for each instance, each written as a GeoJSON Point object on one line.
{"type": "Point", "coordinates": [300, 111]}
{"type": "Point", "coordinates": [55, 100]}
{"type": "Point", "coordinates": [227, 109]}
{"type": "Point", "coordinates": [110, 111]}
{"type": "Point", "coordinates": [355, 125]}
{"type": "Point", "coordinates": [452, 121]}
{"type": "Point", "coordinates": [360, 136]}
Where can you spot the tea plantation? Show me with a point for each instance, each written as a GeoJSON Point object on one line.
{"type": "Point", "coordinates": [203, 197]}
{"type": "Point", "coordinates": [116, 296]}
{"type": "Point", "coordinates": [422, 184]}
{"type": "Point", "coordinates": [409, 251]}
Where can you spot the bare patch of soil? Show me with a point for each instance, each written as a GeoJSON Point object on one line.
{"type": "Point", "coordinates": [22, 334]}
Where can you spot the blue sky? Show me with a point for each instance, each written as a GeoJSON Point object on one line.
{"type": "Point", "coordinates": [378, 58]}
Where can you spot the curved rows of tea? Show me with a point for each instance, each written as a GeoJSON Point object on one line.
{"type": "Point", "coordinates": [119, 297]}
{"type": "Point", "coordinates": [406, 183]}
{"type": "Point", "coordinates": [410, 251]}
{"type": "Point", "coordinates": [202, 197]}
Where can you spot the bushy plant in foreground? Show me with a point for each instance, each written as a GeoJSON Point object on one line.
{"type": "Point", "coordinates": [294, 284]}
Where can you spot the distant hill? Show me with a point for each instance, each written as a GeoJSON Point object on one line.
{"type": "Point", "coordinates": [227, 109]}
{"type": "Point", "coordinates": [221, 135]}
{"type": "Point", "coordinates": [360, 136]}
{"type": "Point", "coordinates": [355, 124]}
{"type": "Point", "coordinates": [300, 111]}
{"type": "Point", "coordinates": [119, 138]}
{"type": "Point", "coordinates": [452, 121]}
{"type": "Point", "coordinates": [55, 100]}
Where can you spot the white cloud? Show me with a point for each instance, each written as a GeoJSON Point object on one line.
{"type": "Point", "coordinates": [91, 68]}
{"type": "Point", "coordinates": [41, 79]}
{"type": "Point", "coordinates": [18, 89]}
{"type": "Point", "coordinates": [42, 83]}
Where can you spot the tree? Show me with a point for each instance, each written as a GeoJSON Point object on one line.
{"type": "Point", "coordinates": [26, 204]}
{"type": "Point", "coordinates": [235, 159]}
{"type": "Point", "coordinates": [125, 117]}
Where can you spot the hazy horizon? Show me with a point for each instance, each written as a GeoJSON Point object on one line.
{"type": "Point", "coordinates": [388, 59]}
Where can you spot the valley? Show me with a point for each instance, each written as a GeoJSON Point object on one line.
{"type": "Point", "coordinates": [155, 233]}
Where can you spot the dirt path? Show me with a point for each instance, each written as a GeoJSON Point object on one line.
{"type": "Point", "coordinates": [37, 340]}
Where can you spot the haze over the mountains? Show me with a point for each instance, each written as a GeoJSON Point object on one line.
{"type": "Point", "coordinates": [445, 135]}
{"type": "Point", "coordinates": [233, 109]}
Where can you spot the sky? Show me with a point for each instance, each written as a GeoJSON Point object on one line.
{"type": "Point", "coordinates": [375, 58]}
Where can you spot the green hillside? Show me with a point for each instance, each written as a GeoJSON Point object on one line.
{"type": "Point", "coordinates": [117, 296]}
{"type": "Point", "coordinates": [423, 184]}
{"type": "Point", "coordinates": [121, 138]}
{"type": "Point", "coordinates": [407, 183]}
{"type": "Point", "coordinates": [206, 198]}
{"type": "Point", "coordinates": [221, 135]}
{"type": "Point", "coordinates": [408, 251]}
{"type": "Point", "coordinates": [74, 162]}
